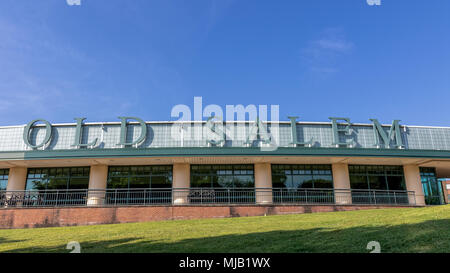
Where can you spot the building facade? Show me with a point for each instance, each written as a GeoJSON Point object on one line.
{"type": "Point", "coordinates": [132, 162]}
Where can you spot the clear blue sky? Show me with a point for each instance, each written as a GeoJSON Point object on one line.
{"type": "Point", "coordinates": [314, 58]}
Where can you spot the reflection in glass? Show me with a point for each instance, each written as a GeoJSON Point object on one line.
{"type": "Point", "coordinates": [222, 176]}
{"type": "Point", "coordinates": [302, 176]}
{"type": "Point", "coordinates": [57, 178]}
{"type": "Point", "coordinates": [140, 177]}
{"type": "Point", "coordinates": [431, 187]}
{"type": "Point", "coordinates": [4, 173]}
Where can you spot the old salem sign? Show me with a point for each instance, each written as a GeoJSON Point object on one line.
{"type": "Point", "coordinates": [340, 127]}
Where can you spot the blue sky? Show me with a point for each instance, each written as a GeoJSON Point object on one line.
{"type": "Point", "coordinates": [314, 58]}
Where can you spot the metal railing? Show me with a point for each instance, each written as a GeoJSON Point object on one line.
{"type": "Point", "coordinates": [304, 196]}
{"type": "Point", "coordinates": [202, 196]}
{"type": "Point", "coordinates": [382, 197]}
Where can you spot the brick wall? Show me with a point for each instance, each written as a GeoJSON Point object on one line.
{"type": "Point", "coordinates": [54, 217]}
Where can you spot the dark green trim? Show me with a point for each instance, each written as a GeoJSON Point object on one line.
{"type": "Point", "coordinates": [220, 151]}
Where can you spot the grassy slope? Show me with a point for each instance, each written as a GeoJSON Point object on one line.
{"type": "Point", "coordinates": [397, 230]}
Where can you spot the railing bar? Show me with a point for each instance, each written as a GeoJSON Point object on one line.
{"type": "Point", "coordinates": [151, 196]}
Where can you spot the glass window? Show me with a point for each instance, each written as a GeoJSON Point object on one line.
{"type": "Point", "coordinates": [323, 181]}
{"type": "Point", "coordinates": [359, 182]}
{"type": "Point", "coordinates": [159, 181]}
{"type": "Point", "coordinates": [139, 182]}
{"type": "Point", "coordinates": [57, 178]}
{"type": "Point", "coordinates": [278, 181]}
{"type": "Point", "coordinates": [302, 183]}
{"type": "Point", "coordinates": [140, 177]}
{"type": "Point", "coordinates": [200, 181]}
{"type": "Point", "coordinates": [222, 176]}
{"type": "Point", "coordinates": [4, 173]}
{"type": "Point", "coordinates": [78, 183]}
{"type": "Point", "coordinates": [302, 176]}
{"type": "Point", "coordinates": [36, 184]}
{"type": "Point", "coordinates": [57, 184]}
{"type": "Point", "coordinates": [396, 183]}
{"type": "Point", "coordinates": [224, 181]}
{"type": "Point", "coordinates": [243, 181]}
{"type": "Point", "coordinates": [377, 182]}
{"type": "Point", "coordinates": [118, 182]}
{"type": "Point", "coordinates": [431, 187]}
{"type": "Point", "coordinates": [376, 177]}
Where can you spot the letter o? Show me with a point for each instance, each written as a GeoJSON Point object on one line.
{"type": "Point", "coordinates": [28, 128]}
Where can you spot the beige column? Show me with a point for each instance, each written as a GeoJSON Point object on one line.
{"type": "Point", "coordinates": [445, 184]}
{"type": "Point", "coordinates": [181, 183]}
{"type": "Point", "coordinates": [447, 191]}
{"type": "Point", "coordinates": [263, 183]}
{"type": "Point", "coordinates": [414, 183]}
{"type": "Point", "coordinates": [341, 182]}
{"type": "Point", "coordinates": [97, 185]}
{"type": "Point", "coordinates": [17, 179]}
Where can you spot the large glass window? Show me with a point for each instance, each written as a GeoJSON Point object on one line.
{"type": "Point", "coordinates": [4, 173]}
{"type": "Point", "coordinates": [302, 176]}
{"type": "Point", "coordinates": [431, 187]}
{"type": "Point", "coordinates": [302, 183]}
{"type": "Point", "coordinates": [139, 184]}
{"type": "Point", "coordinates": [376, 177]}
{"type": "Point", "coordinates": [222, 176]}
{"type": "Point", "coordinates": [58, 178]}
{"type": "Point", "coordinates": [222, 184]}
{"type": "Point", "coordinates": [140, 177]}
{"type": "Point", "coordinates": [381, 181]}
{"type": "Point", "coordinates": [46, 180]}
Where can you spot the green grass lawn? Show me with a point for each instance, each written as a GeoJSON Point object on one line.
{"type": "Point", "coordinates": [397, 230]}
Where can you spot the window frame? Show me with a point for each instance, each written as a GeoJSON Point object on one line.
{"type": "Point", "coordinates": [142, 171]}
{"type": "Point", "coordinates": [303, 170]}
{"type": "Point", "coordinates": [213, 173]}
{"type": "Point", "coordinates": [46, 174]}
{"type": "Point", "coordinates": [369, 171]}
{"type": "Point", "coordinates": [4, 176]}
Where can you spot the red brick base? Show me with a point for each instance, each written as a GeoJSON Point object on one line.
{"type": "Point", "coordinates": [55, 217]}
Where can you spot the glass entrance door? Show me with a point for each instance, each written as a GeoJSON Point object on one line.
{"type": "Point", "coordinates": [431, 187]}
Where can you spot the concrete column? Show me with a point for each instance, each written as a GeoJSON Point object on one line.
{"type": "Point", "coordinates": [414, 183]}
{"type": "Point", "coordinates": [446, 190]}
{"type": "Point", "coordinates": [97, 181]}
{"type": "Point", "coordinates": [181, 183]}
{"type": "Point", "coordinates": [17, 179]}
{"type": "Point", "coordinates": [341, 182]}
{"type": "Point", "coordinates": [263, 183]}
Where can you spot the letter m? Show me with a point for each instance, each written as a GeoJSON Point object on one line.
{"type": "Point", "coordinates": [227, 263]}
{"type": "Point", "coordinates": [394, 132]}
